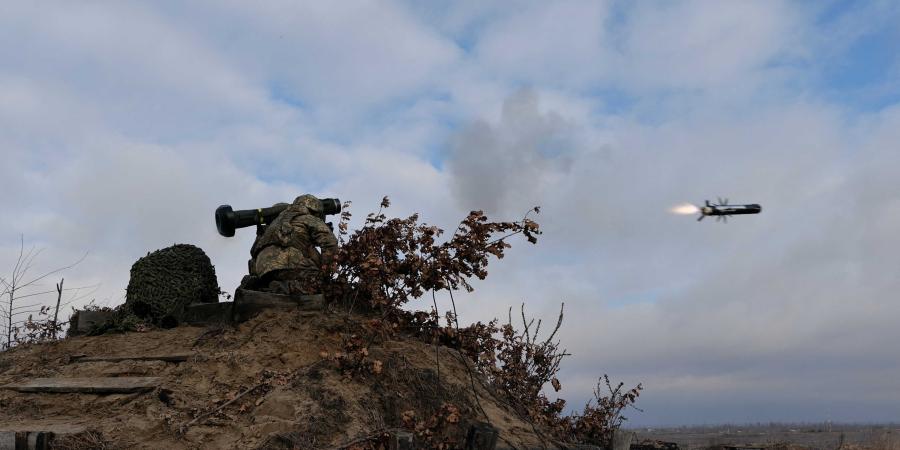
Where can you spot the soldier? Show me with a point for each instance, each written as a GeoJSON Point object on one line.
{"type": "Point", "coordinates": [284, 257]}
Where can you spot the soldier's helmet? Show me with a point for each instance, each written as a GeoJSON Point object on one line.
{"type": "Point", "coordinates": [311, 203]}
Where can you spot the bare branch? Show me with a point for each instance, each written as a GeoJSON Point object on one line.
{"type": "Point", "coordinates": [96, 287]}
{"type": "Point", "coordinates": [32, 311]}
{"type": "Point", "coordinates": [558, 322]}
{"type": "Point", "coordinates": [19, 258]}
{"type": "Point", "coordinates": [55, 271]}
{"type": "Point", "coordinates": [18, 281]}
{"type": "Point", "coordinates": [28, 262]}
{"type": "Point", "coordinates": [19, 297]}
{"type": "Point", "coordinates": [25, 306]}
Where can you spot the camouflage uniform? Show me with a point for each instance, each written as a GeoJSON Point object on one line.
{"type": "Point", "coordinates": [284, 258]}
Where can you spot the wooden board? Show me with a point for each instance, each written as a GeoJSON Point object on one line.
{"type": "Point", "coordinates": [180, 357]}
{"type": "Point", "coordinates": [93, 385]}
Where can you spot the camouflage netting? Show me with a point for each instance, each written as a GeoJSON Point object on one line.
{"type": "Point", "coordinates": [165, 281]}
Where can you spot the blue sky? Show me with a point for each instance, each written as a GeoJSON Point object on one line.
{"type": "Point", "coordinates": [863, 72]}
{"type": "Point", "coordinates": [124, 124]}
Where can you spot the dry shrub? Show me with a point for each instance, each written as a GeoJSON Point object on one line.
{"type": "Point", "coordinates": [516, 363]}
{"type": "Point", "coordinates": [353, 359]}
{"type": "Point", "coordinates": [85, 440]}
{"type": "Point", "coordinates": [441, 430]}
{"type": "Point", "coordinates": [388, 262]}
{"type": "Point", "coordinates": [603, 416]}
{"type": "Point", "coordinates": [520, 366]}
{"type": "Point", "coordinates": [37, 329]}
{"type": "Point", "coordinates": [525, 365]}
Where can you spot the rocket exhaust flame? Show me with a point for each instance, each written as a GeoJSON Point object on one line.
{"type": "Point", "coordinates": [685, 209]}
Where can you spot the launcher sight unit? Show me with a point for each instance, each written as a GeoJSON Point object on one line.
{"type": "Point", "coordinates": [228, 220]}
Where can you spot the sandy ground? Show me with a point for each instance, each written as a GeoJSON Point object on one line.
{"type": "Point", "coordinates": [304, 400]}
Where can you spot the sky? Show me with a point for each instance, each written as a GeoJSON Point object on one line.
{"type": "Point", "coordinates": [123, 125]}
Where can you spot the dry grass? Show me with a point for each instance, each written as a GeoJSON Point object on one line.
{"type": "Point", "coordinates": [86, 440]}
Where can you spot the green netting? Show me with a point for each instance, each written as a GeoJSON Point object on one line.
{"type": "Point", "coordinates": [165, 281]}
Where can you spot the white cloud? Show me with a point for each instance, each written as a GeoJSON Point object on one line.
{"type": "Point", "coordinates": [130, 66]}
{"type": "Point", "coordinates": [704, 44]}
{"type": "Point", "coordinates": [334, 58]}
{"type": "Point", "coordinates": [766, 300]}
{"type": "Point", "coordinates": [122, 127]}
{"type": "Point", "coordinates": [553, 43]}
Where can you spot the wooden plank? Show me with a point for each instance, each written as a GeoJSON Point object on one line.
{"type": "Point", "coordinates": [176, 358]}
{"type": "Point", "coordinates": [93, 385]}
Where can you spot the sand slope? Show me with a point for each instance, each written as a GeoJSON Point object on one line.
{"type": "Point", "coordinates": [301, 399]}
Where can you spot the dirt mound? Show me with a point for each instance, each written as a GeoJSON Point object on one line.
{"type": "Point", "coordinates": [271, 382]}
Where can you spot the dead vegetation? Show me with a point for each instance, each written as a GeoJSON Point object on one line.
{"type": "Point", "coordinates": [90, 439]}
{"type": "Point", "coordinates": [391, 261]}
{"type": "Point", "coordinates": [346, 378]}
{"type": "Point", "coordinates": [33, 321]}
